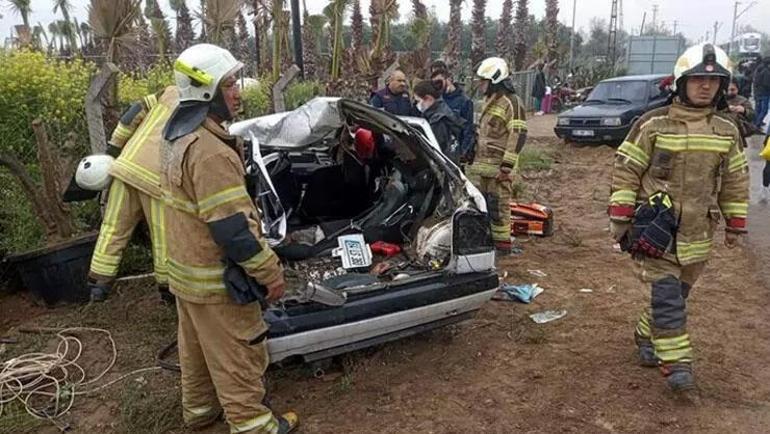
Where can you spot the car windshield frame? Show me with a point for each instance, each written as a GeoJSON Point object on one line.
{"type": "Point", "coordinates": [635, 91]}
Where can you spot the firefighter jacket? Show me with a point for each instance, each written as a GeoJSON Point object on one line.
{"type": "Point", "coordinates": [502, 133]}
{"type": "Point", "coordinates": [211, 216]}
{"type": "Point", "coordinates": [138, 138]}
{"type": "Point", "coordinates": [696, 156]}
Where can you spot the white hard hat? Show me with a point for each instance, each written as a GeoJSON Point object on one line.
{"type": "Point", "coordinates": [93, 172]}
{"type": "Point", "coordinates": [199, 69]}
{"type": "Point", "coordinates": [494, 69]}
{"type": "Point", "coordinates": [703, 60]}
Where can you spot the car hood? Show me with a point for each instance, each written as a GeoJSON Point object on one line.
{"type": "Point", "coordinates": [599, 110]}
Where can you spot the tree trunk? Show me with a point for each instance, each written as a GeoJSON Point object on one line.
{"type": "Point", "coordinates": [51, 173]}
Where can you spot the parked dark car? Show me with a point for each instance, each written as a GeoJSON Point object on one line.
{"type": "Point", "coordinates": [611, 109]}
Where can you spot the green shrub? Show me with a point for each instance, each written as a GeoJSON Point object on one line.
{"type": "Point", "coordinates": [300, 92]}
{"type": "Point", "coordinates": [256, 100]}
{"type": "Point", "coordinates": [133, 87]}
{"type": "Point", "coordinates": [33, 86]}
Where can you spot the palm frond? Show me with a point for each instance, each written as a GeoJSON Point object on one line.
{"type": "Point", "coordinates": [113, 22]}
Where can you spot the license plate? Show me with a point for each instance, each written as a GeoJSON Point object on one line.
{"type": "Point", "coordinates": [583, 133]}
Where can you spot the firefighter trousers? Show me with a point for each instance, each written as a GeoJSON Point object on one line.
{"type": "Point", "coordinates": [664, 321]}
{"type": "Point", "coordinates": [223, 356]}
{"type": "Point", "coordinates": [498, 195]}
{"type": "Point", "coordinates": [126, 207]}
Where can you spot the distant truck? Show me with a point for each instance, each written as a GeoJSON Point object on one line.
{"type": "Point", "coordinates": [653, 54]}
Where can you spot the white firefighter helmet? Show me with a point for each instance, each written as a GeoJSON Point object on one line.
{"type": "Point", "coordinates": [199, 70]}
{"type": "Point", "coordinates": [702, 60]}
{"type": "Point", "coordinates": [93, 172]}
{"type": "Point", "coordinates": [494, 69]}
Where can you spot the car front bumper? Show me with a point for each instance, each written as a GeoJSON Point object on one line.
{"type": "Point", "coordinates": [598, 134]}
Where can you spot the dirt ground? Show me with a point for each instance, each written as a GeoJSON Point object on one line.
{"type": "Point", "coordinates": [498, 373]}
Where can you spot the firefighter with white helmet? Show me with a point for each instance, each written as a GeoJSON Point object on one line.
{"type": "Point", "coordinates": [502, 133]}
{"type": "Point", "coordinates": [222, 339]}
{"type": "Point", "coordinates": [680, 170]}
{"type": "Point", "coordinates": [133, 176]}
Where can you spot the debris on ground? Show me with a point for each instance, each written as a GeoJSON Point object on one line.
{"type": "Point", "coordinates": [548, 316]}
{"type": "Point", "coordinates": [537, 273]}
{"type": "Point", "coordinates": [523, 293]}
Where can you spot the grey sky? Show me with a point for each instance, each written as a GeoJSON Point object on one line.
{"type": "Point", "coordinates": [694, 17]}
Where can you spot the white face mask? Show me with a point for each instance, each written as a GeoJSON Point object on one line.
{"type": "Point", "coordinates": [420, 105]}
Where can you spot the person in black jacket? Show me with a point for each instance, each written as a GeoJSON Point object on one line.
{"type": "Point", "coordinates": [462, 106]}
{"type": "Point", "coordinates": [394, 97]}
{"type": "Point", "coordinates": [762, 90]}
{"type": "Point", "coordinates": [446, 126]}
{"type": "Point", "coordinates": [538, 89]}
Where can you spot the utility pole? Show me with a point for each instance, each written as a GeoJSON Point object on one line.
{"type": "Point", "coordinates": [613, 37]}
{"type": "Point", "coordinates": [737, 15]}
{"type": "Point", "coordinates": [654, 17]}
{"type": "Point", "coordinates": [675, 24]}
{"type": "Point", "coordinates": [620, 25]}
{"type": "Point", "coordinates": [717, 26]}
{"type": "Point", "coordinates": [641, 29]}
{"type": "Point", "coordinates": [572, 38]}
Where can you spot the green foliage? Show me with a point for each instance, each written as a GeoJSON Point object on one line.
{"type": "Point", "coordinates": [35, 86]}
{"type": "Point", "coordinates": [32, 86]}
{"type": "Point", "coordinates": [256, 99]}
{"type": "Point", "coordinates": [133, 87]}
{"type": "Point", "coordinates": [19, 227]}
{"type": "Point", "coordinates": [535, 159]}
{"type": "Point", "coordinates": [301, 92]}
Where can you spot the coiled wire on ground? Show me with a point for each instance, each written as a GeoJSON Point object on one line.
{"type": "Point", "coordinates": [46, 384]}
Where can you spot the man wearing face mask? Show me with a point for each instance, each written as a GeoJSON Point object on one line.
{"type": "Point", "coordinates": [680, 169]}
{"type": "Point", "coordinates": [502, 135]}
{"type": "Point", "coordinates": [446, 126]}
{"type": "Point", "coordinates": [210, 220]}
{"type": "Point", "coordinates": [462, 106]}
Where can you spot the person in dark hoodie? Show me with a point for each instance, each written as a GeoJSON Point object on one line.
{"type": "Point", "coordinates": [538, 89]}
{"type": "Point", "coordinates": [762, 90]}
{"type": "Point", "coordinates": [462, 106]}
{"type": "Point", "coordinates": [446, 126]}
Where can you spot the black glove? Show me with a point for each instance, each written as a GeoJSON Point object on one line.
{"type": "Point", "coordinates": [242, 288]}
{"type": "Point", "coordinates": [99, 291]}
{"type": "Point", "coordinates": [655, 238]}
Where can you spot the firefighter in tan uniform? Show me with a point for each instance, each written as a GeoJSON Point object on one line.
{"type": "Point", "coordinates": [134, 193]}
{"type": "Point", "coordinates": [679, 169]}
{"type": "Point", "coordinates": [502, 134]}
{"type": "Point", "coordinates": [210, 219]}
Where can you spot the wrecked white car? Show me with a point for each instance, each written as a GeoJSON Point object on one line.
{"type": "Point", "coordinates": [377, 245]}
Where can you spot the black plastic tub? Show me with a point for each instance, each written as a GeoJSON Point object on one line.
{"type": "Point", "coordinates": [57, 273]}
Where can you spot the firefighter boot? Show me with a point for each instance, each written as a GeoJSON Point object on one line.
{"type": "Point", "coordinates": [646, 353]}
{"type": "Point", "coordinates": [679, 376]}
{"type": "Point", "coordinates": [287, 422]}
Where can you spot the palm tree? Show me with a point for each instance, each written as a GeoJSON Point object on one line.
{"type": "Point", "coordinates": [88, 34]}
{"type": "Point", "coordinates": [551, 28]}
{"type": "Point", "coordinates": [381, 14]}
{"type": "Point", "coordinates": [160, 29]}
{"type": "Point", "coordinates": [219, 19]}
{"type": "Point", "coordinates": [356, 27]}
{"type": "Point", "coordinates": [312, 28]}
{"type": "Point", "coordinates": [277, 13]}
{"type": "Point", "coordinates": [65, 6]}
{"type": "Point", "coordinates": [241, 44]}
{"type": "Point", "coordinates": [478, 32]}
{"type": "Point", "coordinates": [421, 29]}
{"type": "Point", "coordinates": [113, 22]}
{"type": "Point", "coordinates": [23, 8]}
{"type": "Point", "coordinates": [454, 35]}
{"type": "Point", "coordinates": [184, 27]}
{"type": "Point", "coordinates": [53, 30]}
{"type": "Point", "coordinates": [520, 35]}
{"type": "Point", "coordinates": [504, 43]}
{"type": "Point", "coordinates": [335, 11]}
